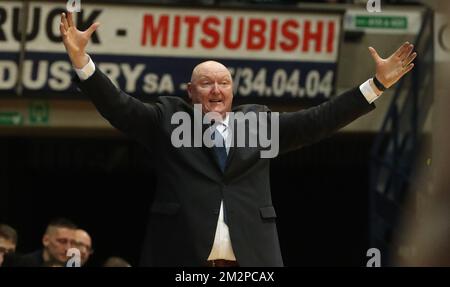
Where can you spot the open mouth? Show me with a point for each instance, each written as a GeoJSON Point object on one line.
{"type": "Point", "coordinates": [215, 101]}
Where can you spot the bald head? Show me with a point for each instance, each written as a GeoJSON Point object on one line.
{"type": "Point", "coordinates": [82, 236]}
{"type": "Point", "coordinates": [211, 86]}
{"type": "Point", "coordinates": [83, 242]}
{"type": "Point", "coordinates": [207, 68]}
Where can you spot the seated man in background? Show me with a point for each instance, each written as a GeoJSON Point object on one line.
{"type": "Point", "coordinates": [83, 242]}
{"type": "Point", "coordinates": [8, 241]}
{"type": "Point", "coordinates": [59, 236]}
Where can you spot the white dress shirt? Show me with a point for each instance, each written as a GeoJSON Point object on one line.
{"type": "Point", "coordinates": [222, 248]}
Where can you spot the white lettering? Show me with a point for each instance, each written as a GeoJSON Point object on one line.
{"type": "Point", "coordinates": [8, 75]}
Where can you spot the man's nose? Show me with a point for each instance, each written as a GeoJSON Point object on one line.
{"type": "Point", "coordinates": [215, 89]}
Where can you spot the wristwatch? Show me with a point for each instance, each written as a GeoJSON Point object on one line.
{"type": "Point", "coordinates": [378, 84]}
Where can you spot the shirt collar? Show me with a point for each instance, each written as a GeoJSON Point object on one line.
{"type": "Point", "coordinates": [222, 125]}
{"type": "Point", "coordinates": [226, 120]}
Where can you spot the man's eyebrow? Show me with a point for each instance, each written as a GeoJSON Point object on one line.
{"type": "Point", "coordinates": [204, 77]}
{"type": "Point", "coordinates": [221, 78]}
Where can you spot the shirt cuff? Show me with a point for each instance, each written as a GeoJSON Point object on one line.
{"type": "Point", "coordinates": [368, 92]}
{"type": "Point", "coordinates": [87, 71]}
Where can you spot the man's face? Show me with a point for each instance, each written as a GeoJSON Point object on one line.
{"type": "Point", "coordinates": [56, 243]}
{"type": "Point", "coordinates": [6, 246]}
{"type": "Point", "coordinates": [212, 87]}
{"type": "Point", "coordinates": [84, 243]}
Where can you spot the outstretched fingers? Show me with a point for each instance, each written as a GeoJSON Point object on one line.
{"type": "Point", "coordinates": [407, 69]}
{"type": "Point", "coordinates": [406, 52]}
{"type": "Point", "coordinates": [64, 21]}
{"type": "Point", "coordinates": [401, 49]}
{"type": "Point", "coordinates": [374, 54]}
{"type": "Point", "coordinates": [409, 59]}
{"type": "Point", "coordinates": [70, 19]}
{"type": "Point", "coordinates": [62, 30]}
{"type": "Point", "coordinates": [92, 29]}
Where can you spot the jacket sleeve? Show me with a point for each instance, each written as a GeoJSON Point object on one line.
{"type": "Point", "coordinates": [307, 126]}
{"type": "Point", "coordinates": [129, 115]}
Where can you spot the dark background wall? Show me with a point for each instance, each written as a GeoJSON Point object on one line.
{"type": "Point", "coordinates": [320, 194]}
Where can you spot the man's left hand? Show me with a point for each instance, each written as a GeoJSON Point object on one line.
{"type": "Point", "coordinates": [392, 69]}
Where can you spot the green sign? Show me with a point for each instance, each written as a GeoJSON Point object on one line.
{"type": "Point", "coordinates": [11, 118]}
{"type": "Point", "coordinates": [382, 22]}
{"type": "Point", "coordinates": [39, 112]}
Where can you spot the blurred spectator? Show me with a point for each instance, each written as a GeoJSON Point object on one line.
{"type": "Point", "coordinates": [83, 242]}
{"type": "Point", "coordinates": [116, 262]}
{"type": "Point", "coordinates": [58, 238]}
{"type": "Point", "coordinates": [424, 235]}
{"type": "Point", "coordinates": [8, 241]}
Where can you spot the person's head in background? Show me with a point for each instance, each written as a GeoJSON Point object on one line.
{"type": "Point", "coordinates": [83, 242]}
{"type": "Point", "coordinates": [116, 262]}
{"type": "Point", "coordinates": [58, 238]}
{"type": "Point", "coordinates": [8, 241]}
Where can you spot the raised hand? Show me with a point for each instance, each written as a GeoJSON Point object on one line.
{"type": "Point", "coordinates": [75, 40]}
{"type": "Point", "coordinates": [392, 69]}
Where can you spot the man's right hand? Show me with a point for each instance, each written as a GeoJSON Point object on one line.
{"type": "Point", "coordinates": [75, 40]}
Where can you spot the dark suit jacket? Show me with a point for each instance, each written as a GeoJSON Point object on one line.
{"type": "Point", "coordinates": [190, 184]}
{"type": "Point", "coordinates": [34, 259]}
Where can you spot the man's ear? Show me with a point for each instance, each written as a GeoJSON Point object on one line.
{"type": "Point", "coordinates": [45, 240]}
{"type": "Point", "coordinates": [189, 90]}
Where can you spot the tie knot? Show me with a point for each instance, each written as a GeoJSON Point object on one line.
{"type": "Point", "coordinates": [218, 139]}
